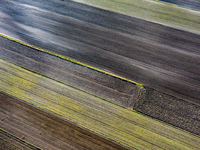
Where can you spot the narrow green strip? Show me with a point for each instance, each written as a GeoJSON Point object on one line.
{"type": "Point", "coordinates": [71, 60]}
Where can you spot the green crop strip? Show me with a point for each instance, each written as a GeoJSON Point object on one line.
{"type": "Point", "coordinates": [71, 60]}
{"type": "Point", "coordinates": [116, 123]}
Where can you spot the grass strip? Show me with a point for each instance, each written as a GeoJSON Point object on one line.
{"type": "Point", "coordinates": [71, 60]}
{"type": "Point", "coordinates": [127, 127]}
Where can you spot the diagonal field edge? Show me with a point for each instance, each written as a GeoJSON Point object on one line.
{"type": "Point", "coordinates": [71, 60]}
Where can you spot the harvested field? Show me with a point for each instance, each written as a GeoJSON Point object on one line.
{"type": "Point", "coordinates": [155, 55]}
{"type": "Point", "coordinates": [10, 142]}
{"type": "Point", "coordinates": [109, 120]}
{"type": "Point", "coordinates": [108, 87]}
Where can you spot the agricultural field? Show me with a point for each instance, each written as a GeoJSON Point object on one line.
{"type": "Point", "coordinates": [94, 81]}
{"type": "Point", "coordinates": [119, 124]}
{"type": "Point", "coordinates": [96, 74]}
{"type": "Point", "coordinates": [155, 55]}
{"type": "Point", "coordinates": [150, 102]}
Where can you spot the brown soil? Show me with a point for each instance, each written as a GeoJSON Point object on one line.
{"type": "Point", "coordinates": [41, 129]}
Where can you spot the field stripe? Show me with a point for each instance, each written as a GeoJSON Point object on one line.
{"type": "Point", "coordinates": [119, 124]}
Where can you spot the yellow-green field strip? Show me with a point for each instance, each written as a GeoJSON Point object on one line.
{"type": "Point", "coordinates": [152, 10]}
{"type": "Point", "coordinates": [71, 60]}
{"type": "Point", "coordinates": [125, 126]}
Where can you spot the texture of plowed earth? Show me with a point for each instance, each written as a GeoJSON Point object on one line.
{"type": "Point", "coordinates": [44, 130]}
{"type": "Point", "coordinates": [169, 109]}
{"type": "Point", "coordinates": [108, 87]}
{"type": "Point", "coordinates": [158, 56]}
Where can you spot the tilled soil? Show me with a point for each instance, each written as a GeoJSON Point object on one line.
{"type": "Point", "coordinates": [169, 109]}
{"type": "Point", "coordinates": [44, 130]}
{"type": "Point", "coordinates": [10, 142]}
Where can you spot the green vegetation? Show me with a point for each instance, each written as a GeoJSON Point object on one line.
{"type": "Point", "coordinates": [119, 124]}
{"type": "Point", "coordinates": [156, 11]}
{"type": "Point", "coordinates": [71, 60]}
